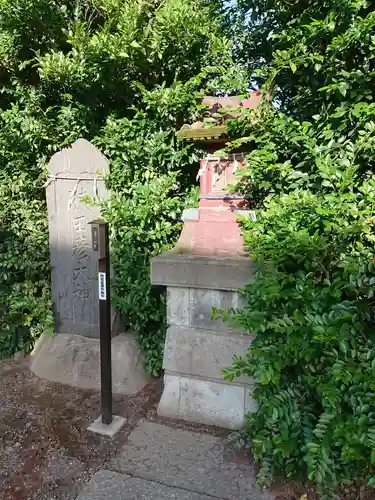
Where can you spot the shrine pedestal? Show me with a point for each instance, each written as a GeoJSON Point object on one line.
{"type": "Point", "coordinates": [197, 348]}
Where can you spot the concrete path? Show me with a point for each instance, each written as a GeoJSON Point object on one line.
{"type": "Point", "coordinates": [165, 463]}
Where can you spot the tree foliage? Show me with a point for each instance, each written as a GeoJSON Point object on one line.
{"type": "Point", "coordinates": [124, 74]}
{"type": "Point", "coordinates": [310, 179]}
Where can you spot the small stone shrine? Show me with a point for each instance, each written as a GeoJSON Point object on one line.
{"type": "Point", "coordinates": [71, 356]}
{"type": "Point", "coordinates": [206, 270]}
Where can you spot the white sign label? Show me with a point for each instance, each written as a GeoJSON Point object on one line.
{"type": "Point", "coordinates": [102, 287]}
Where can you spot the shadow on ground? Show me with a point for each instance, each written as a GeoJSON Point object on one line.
{"type": "Point", "coordinates": [45, 450]}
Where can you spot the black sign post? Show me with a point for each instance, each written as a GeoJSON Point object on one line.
{"type": "Point", "coordinates": [107, 424]}
{"type": "Point", "coordinates": [100, 244]}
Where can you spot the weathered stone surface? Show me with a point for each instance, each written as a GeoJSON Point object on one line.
{"type": "Point", "coordinates": [178, 306]}
{"type": "Point", "coordinates": [250, 403]}
{"type": "Point", "coordinates": [203, 301]}
{"type": "Point", "coordinates": [183, 459]}
{"type": "Point", "coordinates": [197, 347]}
{"type": "Point", "coordinates": [191, 271]}
{"type": "Point", "coordinates": [73, 173]}
{"type": "Point", "coordinates": [203, 401]}
{"type": "Point", "coordinates": [193, 307]}
{"type": "Point", "coordinates": [202, 353]}
{"type": "Point", "coordinates": [75, 360]}
{"type": "Point", "coordinates": [107, 485]}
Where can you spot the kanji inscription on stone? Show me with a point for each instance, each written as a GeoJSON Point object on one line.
{"type": "Point", "coordinates": [74, 172]}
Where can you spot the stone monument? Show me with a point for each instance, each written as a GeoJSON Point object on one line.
{"type": "Point", "coordinates": [72, 355]}
{"type": "Point", "coordinates": [206, 270]}
{"type": "Point", "coordinates": [73, 173]}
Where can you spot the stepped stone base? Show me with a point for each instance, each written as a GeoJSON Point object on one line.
{"type": "Point", "coordinates": [75, 360]}
{"type": "Point", "coordinates": [206, 402]}
{"type": "Point", "coordinates": [197, 347]}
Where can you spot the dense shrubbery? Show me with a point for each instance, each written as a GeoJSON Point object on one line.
{"type": "Point", "coordinates": [310, 179]}
{"type": "Point", "coordinates": [28, 136]}
{"type": "Point", "coordinates": [124, 74]}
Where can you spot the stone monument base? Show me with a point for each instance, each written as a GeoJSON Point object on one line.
{"type": "Point", "coordinates": [75, 360]}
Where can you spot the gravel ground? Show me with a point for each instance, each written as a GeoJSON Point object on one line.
{"type": "Point", "coordinates": [46, 453]}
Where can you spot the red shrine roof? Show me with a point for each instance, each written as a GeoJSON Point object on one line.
{"type": "Point", "coordinates": [219, 110]}
{"type": "Point", "coordinates": [234, 102]}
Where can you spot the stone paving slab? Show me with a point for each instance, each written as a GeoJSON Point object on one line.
{"type": "Point", "coordinates": [107, 485]}
{"type": "Point", "coordinates": [197, 462]}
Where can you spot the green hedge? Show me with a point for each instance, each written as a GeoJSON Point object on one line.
{"type": "Point", "coordinates": [310, 180]}
{"type": "Point", "coordinates": [125, 75]}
